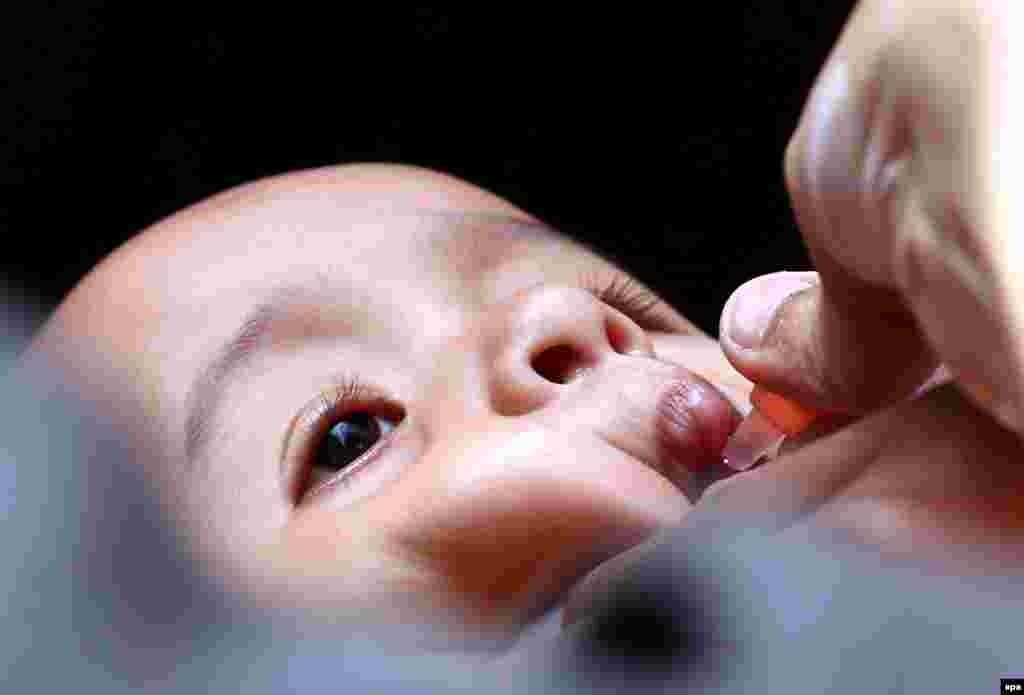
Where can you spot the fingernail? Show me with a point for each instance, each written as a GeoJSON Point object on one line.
{"type": "Point", "coordinates": [754, 304]}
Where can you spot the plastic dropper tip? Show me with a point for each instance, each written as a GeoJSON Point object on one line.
{"type": "Point", "coordinates": [755, 438]}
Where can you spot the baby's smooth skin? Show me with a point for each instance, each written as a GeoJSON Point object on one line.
{"type": "Point", "coordinates": [510, 432]}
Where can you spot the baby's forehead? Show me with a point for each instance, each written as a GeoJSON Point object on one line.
{"type": "Point", "coordinates": [339, 256]}
{"type": "Point", "coordinates": [297, 235]}
{"type": "Point", "coordinates": [232, 253]}
{"type": "Point", "coordinates": [362, 213]}
{"type": "Point", "coordinates": [345, 260]}
{"type": "Point", "coordinates": [338, 218]}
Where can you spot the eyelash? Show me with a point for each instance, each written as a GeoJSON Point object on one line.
{"type": "Point", "coordinates": [621, 293]}
{"type": "Point", "coordinates": [350, 394]}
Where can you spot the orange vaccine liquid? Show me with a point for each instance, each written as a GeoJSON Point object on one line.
{"type": "Point", "coordinates": [761, 433]}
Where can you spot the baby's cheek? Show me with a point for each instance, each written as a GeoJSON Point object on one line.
{"type": "Point", "coordinates": [329, 563]}
{"type": "Point", "coordinates": [503, 557]}
{"type": "Point", "coordinates": [510, 522]}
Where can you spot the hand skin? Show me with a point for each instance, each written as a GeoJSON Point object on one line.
{"type": "Point", "coordinates": [902, 175]}
{"type": "Point", "coordinates": [899, 176]}
{"type": "Point", "coordinates": [933, 480]}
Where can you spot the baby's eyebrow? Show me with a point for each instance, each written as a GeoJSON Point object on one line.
{"type": "Point", "coordinates": [212, 381]}
{"type": "Point", "coordinates": [273, 320]}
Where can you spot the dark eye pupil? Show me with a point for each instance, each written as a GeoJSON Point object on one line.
{"type": "Point", "coordinates": [347, 441]}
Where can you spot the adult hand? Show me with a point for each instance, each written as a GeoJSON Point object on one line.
{"type": "Point", "coordinates": [902, 174]}
{"type": "Point", "coordinates": [933, 480]}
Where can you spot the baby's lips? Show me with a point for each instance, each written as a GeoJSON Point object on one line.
{"type": "Point", "coordinates": [690, 420]}
{"type": "Point", "coordinates": [693, 421]}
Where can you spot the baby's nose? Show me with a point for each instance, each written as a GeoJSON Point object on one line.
{"type": "Point", "coordinates": [522, 355]}
{"type": "Point", "coordinates": [548, 336]}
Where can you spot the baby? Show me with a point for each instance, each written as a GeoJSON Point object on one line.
{"type": "Point", "coordinates": [376, 390]}
{"type": "Point", "coordinates": [384, 395]}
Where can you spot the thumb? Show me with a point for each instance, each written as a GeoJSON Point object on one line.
{"type": "Point", "coordinates": [784, 332]}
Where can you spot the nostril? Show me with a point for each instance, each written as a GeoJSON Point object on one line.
{"type": "Point", "coordinates": [559, 364]}
{"type": "Point", "coordinates": [625, 337]}
{"type": "Point", "coordinates": [617, 335]}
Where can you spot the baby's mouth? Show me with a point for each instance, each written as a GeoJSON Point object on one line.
{"type": "Point", "coordinates": [663, 418]}
{"type": "Point", "coordinates": [688, 423]}
{"type": "Point", "coordinates": [678, 429]}
{"type": "Point", "coordinates": [714, 479]}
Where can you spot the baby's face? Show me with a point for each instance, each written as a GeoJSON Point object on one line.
{"type": "Point", "coordinates": [377, 388]}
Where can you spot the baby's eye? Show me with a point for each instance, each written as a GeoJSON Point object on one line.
{"type": "Point", "coordinates": [343, 444]}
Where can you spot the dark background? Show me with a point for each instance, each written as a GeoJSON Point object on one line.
{"type": "Point", "coordinates": [657, 137]}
